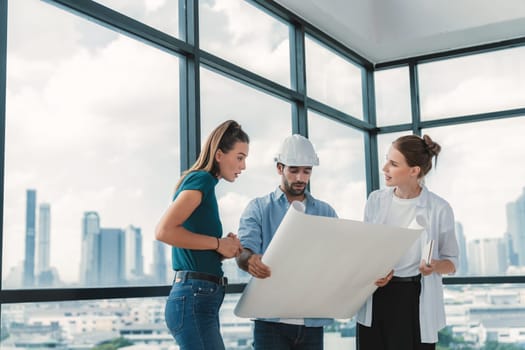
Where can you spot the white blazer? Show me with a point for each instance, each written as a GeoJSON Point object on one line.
{"type": "Point", "coordinates": [436, 216]}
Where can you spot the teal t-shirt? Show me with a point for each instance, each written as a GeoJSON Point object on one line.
{"type": "Point", "coordinates": [204, 220]}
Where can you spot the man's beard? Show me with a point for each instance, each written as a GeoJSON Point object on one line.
{"type": "Point", "coordinates": [290, 190]}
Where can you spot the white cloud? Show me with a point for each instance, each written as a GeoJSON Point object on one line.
{"type": "Point", "coordinates": [154, 5]}
{"type": "Point", "coordinates": [474, 84]}
{"type": "Point", "coordinates": [231, 204]}
{"type": "Point", "coordinates": [340, 177]}
{"type": "Point", "coordinates": [239, 32]}
{"type": "Point", "coordinates": [479, 172]}
{"type": "Point", "coordinates": [98, 129]}
{"type": "Point", "coordinates": [38, 31]}
{"type": "Point", "coordinates": [333, 80]}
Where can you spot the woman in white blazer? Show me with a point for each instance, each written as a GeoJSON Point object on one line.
{"type": "Point", "coordinates": [407, 311]}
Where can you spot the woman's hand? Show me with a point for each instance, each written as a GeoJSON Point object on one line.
{"type": "Point", "coordinates": [427, 269]}
{"type": "Point", "coordinates": [384, 281]}
{"type": "Point", "coordinates": [442, 267]}
{"type": "Point", "coordinates": [229, 246]}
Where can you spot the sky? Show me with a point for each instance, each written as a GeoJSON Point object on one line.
{"type": "Point", "coordinates": [92, 123]}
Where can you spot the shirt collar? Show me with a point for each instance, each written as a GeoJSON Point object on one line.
{"type": "Point", "coordinates": [423, 196]}
{"type": "Point", "coordinates": [280, 194]}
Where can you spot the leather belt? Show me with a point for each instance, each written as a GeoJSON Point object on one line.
{"type": "Point", "coordinates": [413, 279]}
{"type": "Point", "coordinates": [181, 276]}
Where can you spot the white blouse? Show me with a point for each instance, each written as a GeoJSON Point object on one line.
{"type": "Point", "coordinates": [436, 216]}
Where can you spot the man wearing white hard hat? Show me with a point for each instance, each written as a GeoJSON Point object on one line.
{"type": "Point", "coordinates": [258, 224]}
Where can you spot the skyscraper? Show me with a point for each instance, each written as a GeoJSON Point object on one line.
{"type": "Point", "coordinates": [29, 258]}
{"type": "Point", "coordinates": [511, 252]}
{"type": "Point", "coordinates": [111, 258]}
{"type": "Point", "coordinates": [90, 253]}
{"type": "Point", "coordinates": [487, 256]}
{"type": "Point", "coordinates": [133, 259]}
{"type": "Point", "coordinates": [462, 269]}
{"type": "Point", "coordinates": [43, 243]}
{"type": "Point", "coordinates": [516, 227]}
{"type": "Point", "coordinates": [160, 267]}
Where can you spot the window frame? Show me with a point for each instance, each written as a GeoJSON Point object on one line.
{"type": "Point", "coordinates": [191, 57]}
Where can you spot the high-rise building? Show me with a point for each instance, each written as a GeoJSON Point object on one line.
{"type": "Point", "coordinates": [516, 227]}
{"type": "Point", "coordinates": [159, 269]}
{"type": "Point", "coordinates": [43, 267]}
{"type": "Point", "coordinates": [111, 258]}
{"type": "Point", "coordinates": [511, 252]}
{"type": "Point", "coordinates": [29, 257]}
{"type": "Point", "coordinates": [487, 257]}
{"type": "Point", "coordinates": [133, 258]}
{"type": "Point", "coordinates": [90, 252]}
{"type": "Point", "coordinates": [462, 269]}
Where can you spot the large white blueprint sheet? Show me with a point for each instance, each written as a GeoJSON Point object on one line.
{"type": "Point", "coordinates": [323, 267]}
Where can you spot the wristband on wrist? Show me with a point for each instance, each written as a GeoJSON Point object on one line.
{"type": "Point", "coordinates": [218, 244]}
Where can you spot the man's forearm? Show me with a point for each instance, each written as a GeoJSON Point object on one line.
{"type": "Point", "coordinates": [242, 259]}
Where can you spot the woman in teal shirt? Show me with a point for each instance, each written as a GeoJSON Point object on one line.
{"type": "Point", "coordinates": [191, 225]}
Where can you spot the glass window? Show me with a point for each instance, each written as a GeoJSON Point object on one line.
{"type": "Point", "coordinates": [480, 174]}
{"type": "Point", "coordinates": [392, 93]}
{"type": "Point", "coordinates": [243, 34]}
{"type": "Point", "coordinates": [473, 84]}
{"type": "Point", "coordinates": [91, 154]}
{"type": "Point", "coordinates": [340, 178]}
{"type": "Point", "coordinates": [125, 322]}
{"type": "Point", "coordinates": [86, 324]}
{"type": "Point", "coordinates": [473, 311]}
{"type": "Point", "coordinates": [484, 317]}
{"type": "Point", "coordinates": [159, 14]}
{"type": "Point", "coordinates": [267, 121]}
{"type": "Point", "coordinates": [333, 80]}
{"type": "Point", "coordinates": [237, 332]}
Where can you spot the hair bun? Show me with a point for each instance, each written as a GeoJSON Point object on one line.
{"type": "Point", "coordinates": [432, 147]}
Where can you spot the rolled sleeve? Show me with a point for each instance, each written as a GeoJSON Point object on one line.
{"type": "Point", "coordinates": [371, 210]}
{"type": "Point", "coordinates": [448, 245]}
{"type": "Point", "coordinates": [250, 228]}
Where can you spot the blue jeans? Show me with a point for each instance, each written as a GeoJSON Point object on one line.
{"type": "Point", "coordinates": [282, 336]}
{"type": "Point", "coordinates": [192, 314]}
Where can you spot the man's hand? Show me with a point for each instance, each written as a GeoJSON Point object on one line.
{"type": "Point", "coordinates": [251, 263]}
{"type": "Point", "coordinates": [257, 268]}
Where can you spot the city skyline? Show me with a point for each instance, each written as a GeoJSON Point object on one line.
{"type": "Point", "coordinates": [485, 256]}
{"type": "Point", "coordinates": [116, 251]}
{"type": "Point", "coordinates": [475, 316]}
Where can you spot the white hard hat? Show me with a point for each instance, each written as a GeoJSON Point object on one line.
{"type": "Point", "coordinates": [297, 150]}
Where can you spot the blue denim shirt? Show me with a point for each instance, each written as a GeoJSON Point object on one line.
{"type": "Point", "coordinates": [260, 221]}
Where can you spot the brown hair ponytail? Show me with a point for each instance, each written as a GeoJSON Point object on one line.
{"type": "Point", "coordinates": [418, 151]}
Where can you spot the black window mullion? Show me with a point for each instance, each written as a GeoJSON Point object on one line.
{"type": "Point", "coordinates": [414, 99]}
{"type": "Point", "coordinates": [115, 20]}
{"type": "Point", "coordinates": [189, 85]}
{"type": "Point", "coordinates": [298, 79]}
{"type": "Point", "coordinates": [370, 139]}
{"type": "Point", "coordinates": [3, 87]}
